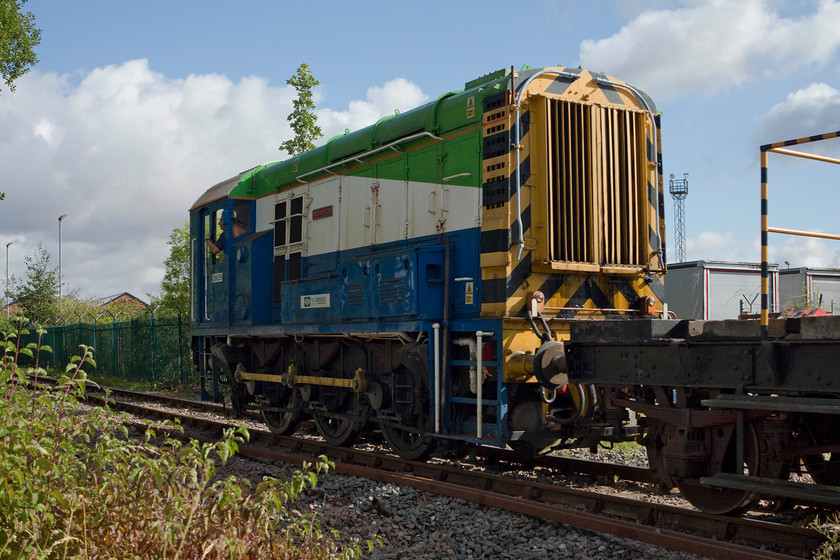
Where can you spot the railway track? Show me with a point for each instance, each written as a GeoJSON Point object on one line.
{"type": "Point", "coordinates": [676, 528]}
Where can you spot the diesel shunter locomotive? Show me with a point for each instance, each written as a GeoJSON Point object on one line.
{"type": "Point", "coordinates": [420, 276]}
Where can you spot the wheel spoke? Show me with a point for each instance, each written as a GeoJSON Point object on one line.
{"type": "Point", "coordinates": [284, 422]}
{"type": "Point", "coordinates": [407, 442]}
{"type": "Point", "coordinates": [345, 427]}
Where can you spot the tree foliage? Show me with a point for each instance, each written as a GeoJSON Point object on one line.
{"type": "Point", "coordinates": [37, 297]}
{"type": "Point", "coordinates": [303, 119]}
{"type": "Point", "coordinates": [174, 296]}
{"type": "Point", "coordinates": [18, 38]}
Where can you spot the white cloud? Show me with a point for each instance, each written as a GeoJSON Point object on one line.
{"type": "Point", "coordinates": [798, 251]}
{"type": "Point", "coordinates": [395, 95]}
{"type": "Point", "coordinates": [805, 112]}
{"type": "Point", "coordinates": [708, 46]}
{"type": "Point", "coordinates": [713, 246]}
{"type": "Point", "coordinates": [124, 151]}
{"type": "Point", "coordinates": [806, 251]}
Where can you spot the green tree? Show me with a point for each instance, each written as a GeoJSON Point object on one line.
{"type": "Point", "coordinates": [174, 296]}
{"type": "Point", "coordinates": [18, 38]}
{"type": "Point", "coordinates": [38, 295]}
{"type": "Point", "coordinates": [303, 119]}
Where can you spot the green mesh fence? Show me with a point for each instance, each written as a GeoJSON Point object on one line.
{"type": "Point", "coordinates": [155, 349]}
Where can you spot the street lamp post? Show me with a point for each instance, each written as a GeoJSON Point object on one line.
{"type": "Point", "coordinates": [6, 285]}
{"type": "Point", "coordinates": [60, 218]}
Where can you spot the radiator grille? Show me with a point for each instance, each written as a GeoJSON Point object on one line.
{"type": "Point", "coordinates": [597, 178]}
{"type": "Point", "coordinates": [356, 293]}
{"type": "Point", "coordinates": [392, 291]}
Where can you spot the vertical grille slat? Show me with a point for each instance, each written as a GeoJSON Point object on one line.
{"type": "Point", "coordinates": [597, 174]}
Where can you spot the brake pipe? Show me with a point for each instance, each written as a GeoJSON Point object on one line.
{"type": "Point", "coordinates": [436, 327]}
{"type": "Point", "coordinates": [478, 393]}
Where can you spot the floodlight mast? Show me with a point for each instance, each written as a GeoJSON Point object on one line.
{"type": "Point", "coordinates": [679, 190]}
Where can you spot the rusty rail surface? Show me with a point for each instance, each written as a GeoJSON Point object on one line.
{"type": "Point", "coordinates": [676, 528]}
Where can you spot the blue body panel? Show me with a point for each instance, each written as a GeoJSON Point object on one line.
{"type": "Point", "coordinates": [400, 282]}
{"type": "Point", "coordinates": [389, 288]}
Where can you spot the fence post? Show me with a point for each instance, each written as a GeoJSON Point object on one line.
{"type": "Point", "coordinates": [115, 368]}
{"type": "Point", "coordinates": [180, 351]}
{"type": "Point", "coordinates": [152, 328]}
{"type": "Point", "coordinates": [54, 345]}
{"type": "Point", "coordinates": [96, 336]}
{"type": "Point", "coordinates": [60, 364]}
{"type": "Point", "coordinates": [78, 336]}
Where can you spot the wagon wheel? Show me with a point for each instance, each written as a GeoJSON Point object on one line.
{"type": "Point", "coordinates": [657, 437]}
{"type": "Point", "coordinates": [408, 435]}
{"type": "Point", "coordinates": [824, 468]}
{"type": "Point", "coordinates": [283, 417]}
{"type": "Point", "coordinates": [722, 501]}
{"type": "Point", "coordinates": [342, 427]}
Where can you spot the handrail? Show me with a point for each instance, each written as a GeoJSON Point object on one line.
{"type": "Point", "coordinates": [389, 146]}
{"type": "Point", "coordinates": [780, 148]}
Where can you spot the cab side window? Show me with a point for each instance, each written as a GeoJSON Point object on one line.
{"type": "Point", "coordinates": [241, 218]}
{"type": "Point", "coordinates": [214, 236]}
{"type": "Point", "coordinates": [288, 241]}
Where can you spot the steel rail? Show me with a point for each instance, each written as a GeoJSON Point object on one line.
{"type": "Point", "coordinates": [652, 523]}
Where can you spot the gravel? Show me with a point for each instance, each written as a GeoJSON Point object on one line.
{"type": "Point", "coordinates": [417, 524]}
{"type": "Point", "coordinates": [420, 525]}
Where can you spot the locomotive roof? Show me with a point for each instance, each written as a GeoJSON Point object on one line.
{"type": "Point", "coordinates": [442, 117]}
{"type": "Point", "coordinates": [223, 189]}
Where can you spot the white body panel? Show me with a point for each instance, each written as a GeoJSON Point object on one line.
{"type": "Point", "coordinates": [368, 211]}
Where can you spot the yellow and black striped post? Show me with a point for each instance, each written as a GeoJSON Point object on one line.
{"type": "Point", "coordinates": [765, 292]}
{"type": "Point", "coordinates": [779, 148]}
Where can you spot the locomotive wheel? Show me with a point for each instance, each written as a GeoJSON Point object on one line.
{"type": "Point", "coordinates": [408, 436]}
{"type": "Point", "coordinates": [284, 422]}
{"type": "Point", "coordinates": [720, 501]}
{"type": "Point", "coordinates": [342, 428]}
{"type": "Point", "coordinates": [407, 442]}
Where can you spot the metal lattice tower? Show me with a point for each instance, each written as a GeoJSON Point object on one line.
{"type": "Point", "coordinates": [679, 190]}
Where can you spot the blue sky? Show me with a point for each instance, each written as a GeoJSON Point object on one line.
{"type": "Point", "coordinates": [135, 108]}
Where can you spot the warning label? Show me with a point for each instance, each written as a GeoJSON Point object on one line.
{"type": "Point", "coordinates": [468, 293]}
{"type": "Point", "coordinates": [470, 107]}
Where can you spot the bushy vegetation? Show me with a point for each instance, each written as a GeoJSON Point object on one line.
{"type": "Point", "coordinates": [73, 484]}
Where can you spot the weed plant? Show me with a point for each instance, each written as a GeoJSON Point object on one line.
{"type": "Point", "coordinates": [830, 529]}
{"type": "Point", "coordinates": [74, 485]}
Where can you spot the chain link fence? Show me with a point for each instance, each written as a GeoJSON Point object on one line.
{"type": "Point", "coordinates": [152, 349]}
